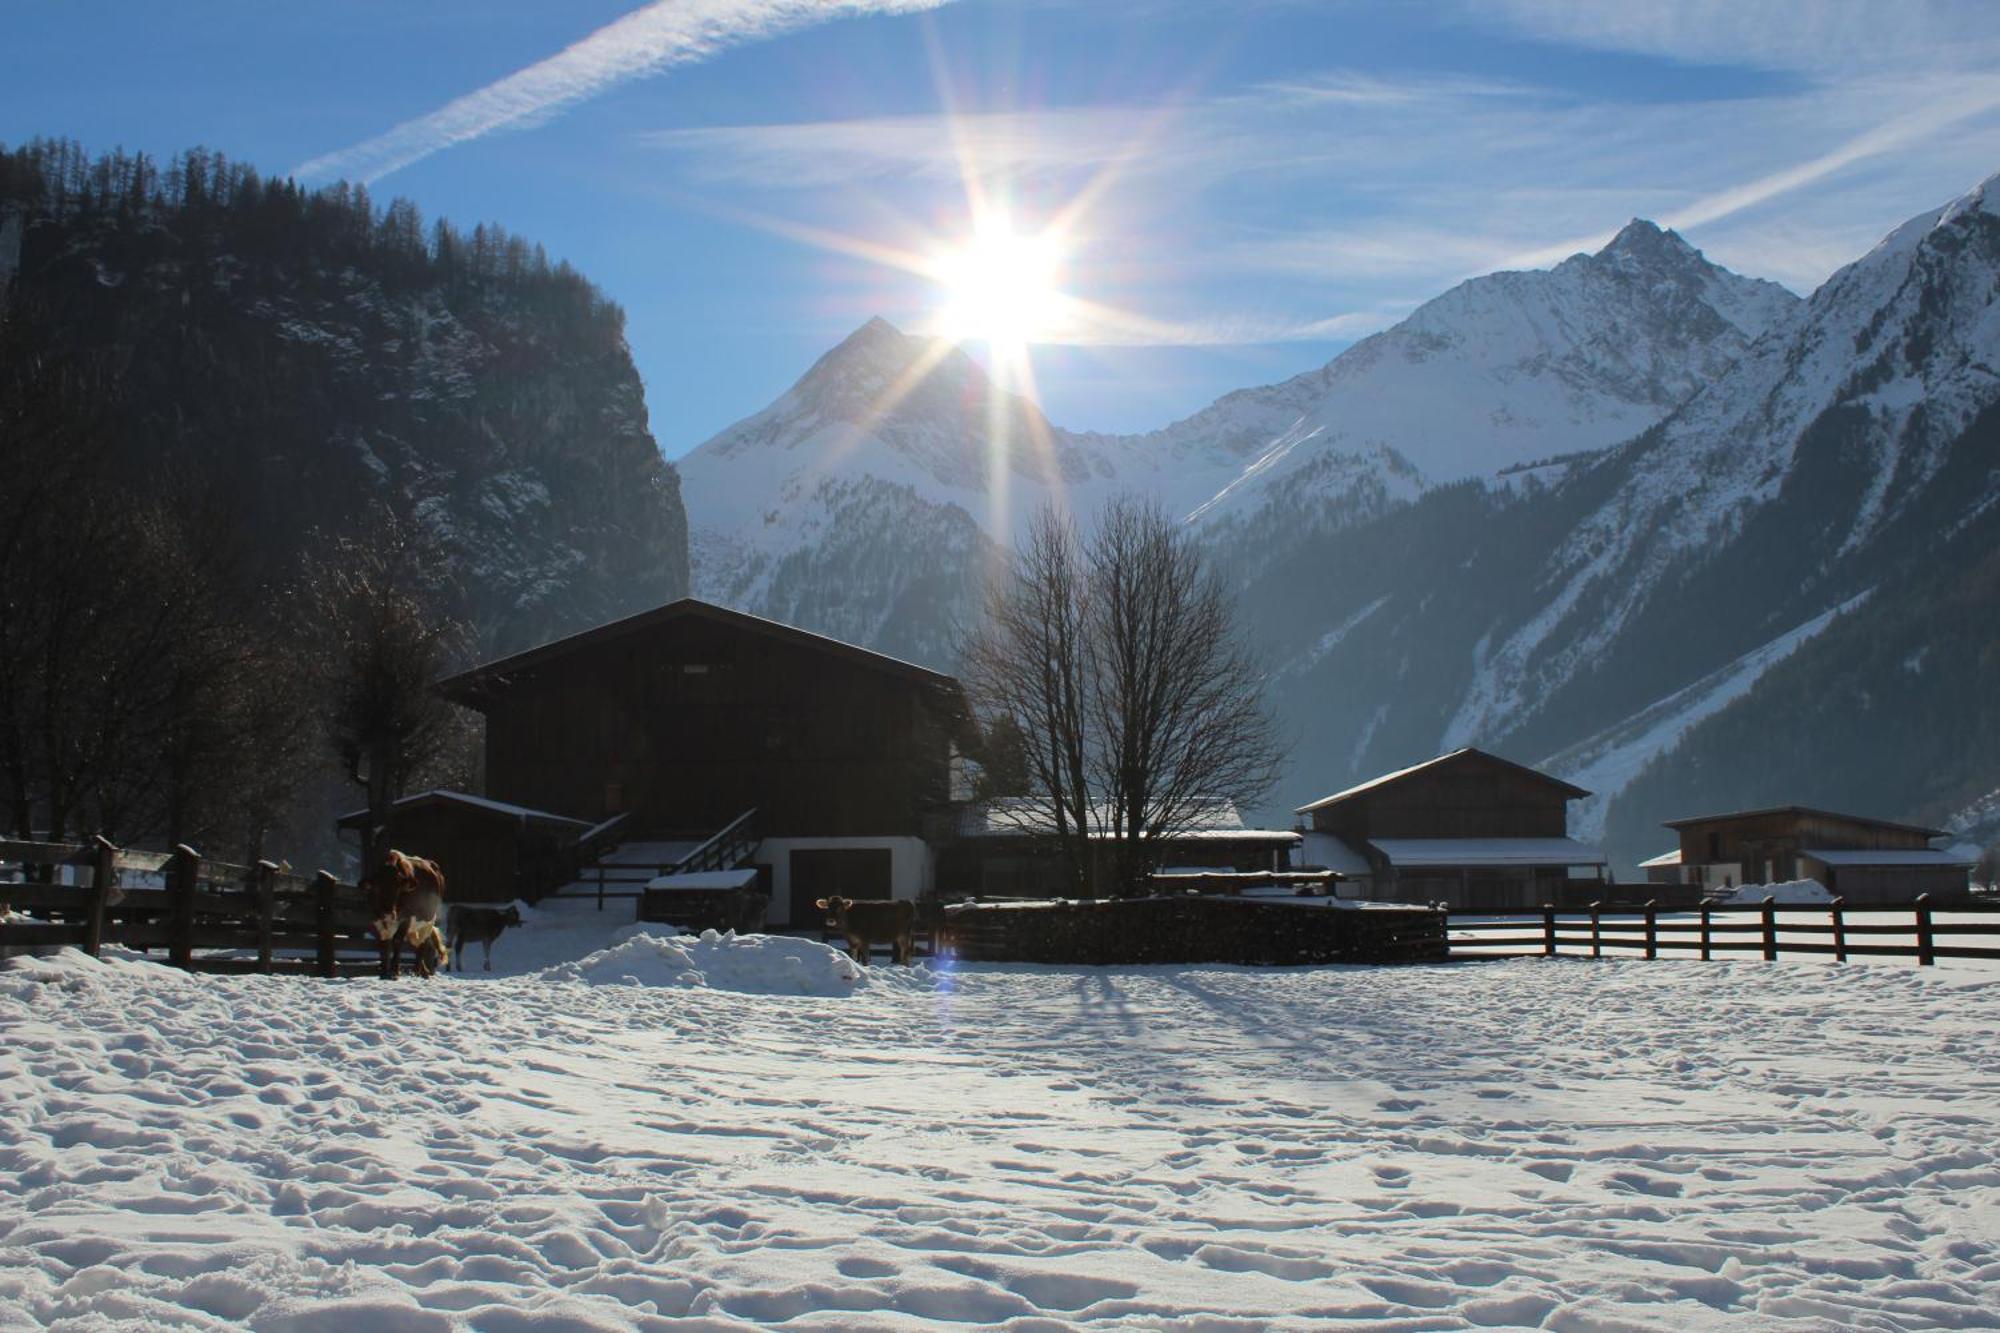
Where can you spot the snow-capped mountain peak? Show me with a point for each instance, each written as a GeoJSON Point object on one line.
{"type": "Point", "coordinates": [1496, 372]}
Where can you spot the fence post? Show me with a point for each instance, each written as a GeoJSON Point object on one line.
{"type": "Point", "coordinates": [183, 873]}
{"type": "Point", "coordinates": [1652, 928]}
{"type": "Point", "coordinates": [1596, 940]}
{"type": "Point", "coordinates": [1770, 928]}
{"type": "Point", "coordinates": [324, 886]}
{"type": "Point", "coordinates": [1926, 945]}
{"type": "Point", "coordinates": [1706, 952]}
{"type": "Point", "coordinates": [103, 882]}
{"type": "Point", "coordinates": [267, 888]}
{"type": "Point", "coordinates": [1549, 929]}
{"type": "Point", "coordinates": [1839, 931]}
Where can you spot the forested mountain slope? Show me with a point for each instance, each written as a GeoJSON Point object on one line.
{"type": "Point", "coordinates": [297, 360]}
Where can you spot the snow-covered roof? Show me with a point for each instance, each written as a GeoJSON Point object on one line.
{"type": "Point", "coordinates": [1019, 816]}
{"type": "Point", "coordinates": [1896, 856]}
{"type": "Point", "coordinates": [467, 799]}
{"type": "Point", "coordinates": [1323, 849]}
{"type": "Point", "coordinates": [1570, 790]}
{"type": "Point", "coordinates": [1672, 858]}
{"type": "Point", "coordinates": [706, 879]}
{"type": "Point", "coordinates": [1488, 852]}
{"type": "Point", "coordinates": [473, 688]}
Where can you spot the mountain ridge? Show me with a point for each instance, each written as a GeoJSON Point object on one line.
{"type": "Point", "coordinates": [917, 413]}
{"type": "Point", "coordinates": [1583, 514]}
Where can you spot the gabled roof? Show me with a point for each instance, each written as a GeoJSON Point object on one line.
{"type": "Point", "coordinates": [498, 809]}
{"type": "Point", "coordinates": [1905, 856]}
{"type": "Point", "coordinates": [471, 687]}
{"type": "Point", "coordinates": [1808, 810]}
{"type": "Point", "coordinates": [1569, 791]}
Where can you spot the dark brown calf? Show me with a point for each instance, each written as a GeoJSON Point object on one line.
{"type": "Point", "coordinates": [865, 923]}
{"type": "Point", "coordinates": [478, 925]}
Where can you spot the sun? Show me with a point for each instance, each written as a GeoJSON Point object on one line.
{"type": "Point", "coordinates": [1001, 287]}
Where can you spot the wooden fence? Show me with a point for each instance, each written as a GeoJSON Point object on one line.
{"type": "Point", "coordinates": [1921, 931]}
{"type": "Point", "coordinates": [204, 915]}
{"type": "Point", "coordinates": [1187, 929]}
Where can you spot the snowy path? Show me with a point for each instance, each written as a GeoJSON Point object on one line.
{"type": "Point", "coordinates": [1564, 1144]}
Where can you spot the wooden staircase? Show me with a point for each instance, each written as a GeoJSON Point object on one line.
{"type": "Point", "coordinates": [618, 866]}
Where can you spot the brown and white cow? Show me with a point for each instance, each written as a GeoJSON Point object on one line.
{"type": "Point", "coordinates": [867, 922]}
{"type": "Point", "coordinates": [405, 893]}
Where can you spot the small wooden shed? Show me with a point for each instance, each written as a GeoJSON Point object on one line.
{"type": "Point", "coordinates": [1468, 829]}
{"type": "Point", "coordinates": [1856, 857]}
{"type": "Point", "coordinates": [490, 851]}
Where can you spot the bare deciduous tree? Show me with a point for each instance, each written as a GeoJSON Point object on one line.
{"type": "Point", "coordinates": [137, 697]}
{"type": "Point", "coordinates": [1176, 699]}
{"type": "Point", "coordinates": [1119, 661]}
{"type": "Point", "coordinates": [1028, 664]}
{"type": "Point", "coordinates": [378, 608]}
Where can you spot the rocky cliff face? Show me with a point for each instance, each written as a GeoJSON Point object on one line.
{"type": "Point", "coordinates": [294, 360]}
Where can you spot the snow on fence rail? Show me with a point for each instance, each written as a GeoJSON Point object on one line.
{"type": "Point", "coordinates": [207, 915]}
{"type": "Point", "coordinates": [1920, 930]}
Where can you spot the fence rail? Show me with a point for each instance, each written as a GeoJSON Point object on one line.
{"type": "Point", "coordinates": [728, 848]}
{"type": "Point", "coordinates": [205, 915]}
{"type": "Point", "coordinates": [1770, 929]}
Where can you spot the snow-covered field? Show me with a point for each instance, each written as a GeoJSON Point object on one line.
{"type": "Point", "coordinates": [1563, 1144]}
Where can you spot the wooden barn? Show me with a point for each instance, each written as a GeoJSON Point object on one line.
{"type": "Point", "coordinates": [1858, 858]}
{"type": "Point", "coordinates": [687, 718]}
{"type": "Point", "coordinates": [1001, 848]}
{"type": "Point", "coordinates": [1467, 829]}
{"type": "Point", "coordinates": [492, 852]}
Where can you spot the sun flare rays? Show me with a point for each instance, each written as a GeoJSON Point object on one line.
{"type": "Point", "coordinates": [1003, 274]}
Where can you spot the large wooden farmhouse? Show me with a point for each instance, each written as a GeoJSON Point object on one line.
{"type": "Point", "coordinates": [1467, 829]}
{"type": "Point", "coordinates": [1860, 859]}
{"type": "Point", "coordinates": [833, 761]}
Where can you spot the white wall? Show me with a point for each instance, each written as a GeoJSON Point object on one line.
{"type": "Point", "coordinates": [912, 867]}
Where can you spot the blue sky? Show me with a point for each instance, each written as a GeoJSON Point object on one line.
{"type": "Point", "coordinates": [1253, 185]}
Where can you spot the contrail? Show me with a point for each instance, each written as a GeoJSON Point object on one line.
{"type": "Point", "coordinates": [659, 36]}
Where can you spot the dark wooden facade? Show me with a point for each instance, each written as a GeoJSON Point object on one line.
{"type": "Point", "coordinates": [1465, 794]}
{"type": "Point", "coordinates": [1466, 797]}
{"type": "Point", "coordinates": [689, 715]}
{"type": "Point", "coordinates": [1776, 845]}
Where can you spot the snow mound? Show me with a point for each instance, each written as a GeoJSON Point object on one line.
{"type": "Point", "coordinates": [749, 964]}
{"type": "Point", "coordinates": [1791, 891]}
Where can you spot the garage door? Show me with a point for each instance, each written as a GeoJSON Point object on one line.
{"type": "Point", "coordinates": [850, 872]}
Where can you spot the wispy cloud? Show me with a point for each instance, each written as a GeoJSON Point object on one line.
{"type": "Point", "coordinates": [659, 36]}
{"type": "Point", "coordinates": [1291, 126]}
{"type": "Point", "coordinates": [1368, 194]}
{"type": "Point", "coordinates": [1818, 38]}
{"type": "Point", "coordinates": [1963, 99]}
